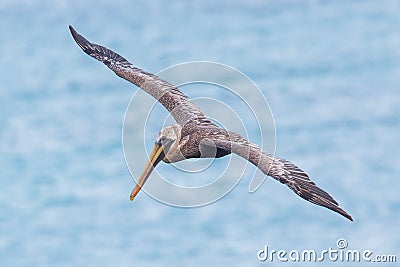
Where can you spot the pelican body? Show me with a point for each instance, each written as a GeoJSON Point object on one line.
{"type": "Point", "coordinates": [195, 136]}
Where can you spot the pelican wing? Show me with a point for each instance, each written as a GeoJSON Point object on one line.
{"type": "Point", "coordinates": [177, 103]}
{"type": "Point", "coordinates": [280, 169]}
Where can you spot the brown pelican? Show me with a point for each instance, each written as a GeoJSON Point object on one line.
{"type": "Point", "coordinates": [195, 136]}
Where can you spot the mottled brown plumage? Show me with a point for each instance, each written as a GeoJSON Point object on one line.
{"type": "Point", "coordinates": [196, 136]}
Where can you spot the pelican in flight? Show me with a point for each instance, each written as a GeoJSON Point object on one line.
{"type": "Point", "coordinates": [195, 136]}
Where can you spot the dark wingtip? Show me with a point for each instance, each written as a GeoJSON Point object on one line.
{"type": "Point", "coordinates": [348, 216]}
{"type": "Point", "coordinates": [98, 52]}
{"type": "Point", "coordinates": [80, 40]}
{"type": "Point", "coordinates": [335, 207]}
{"type": "Point", "coordinates": [339, 210]}
{"type": "Point", "coordinates": [73, 32]}
{"type": "Point", "coordinates": [345, 214]}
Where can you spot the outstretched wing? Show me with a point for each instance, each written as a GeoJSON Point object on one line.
{"type": "Point", "coordinates": [177, 103]}
{"type": "Point", "coordinates": [280, 169]}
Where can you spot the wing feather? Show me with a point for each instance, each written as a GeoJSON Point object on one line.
{"type": "Point", "coordinates": [176, 102]}
{"type": "Point", "coordinates": [280, 169]}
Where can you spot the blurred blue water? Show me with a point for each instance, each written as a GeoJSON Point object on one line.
{"type": "Point", "coordinates": [330, 71]}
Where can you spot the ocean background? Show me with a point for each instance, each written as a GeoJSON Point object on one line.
{"type": "Point", "coordinates": [330, 71]}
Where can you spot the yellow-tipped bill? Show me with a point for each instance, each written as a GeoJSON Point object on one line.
{"type": "Point", "coordinates": [155, 157]}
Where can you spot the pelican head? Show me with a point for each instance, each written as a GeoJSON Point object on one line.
{"type": "Point", "coordinates": [170, 140]}
{"type": "Point", "coordinates": [166, 148]}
